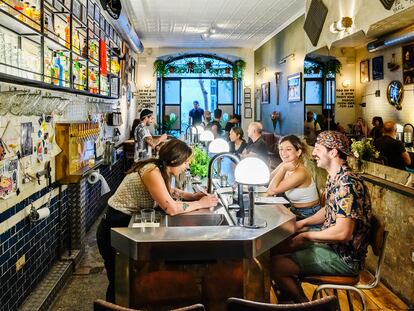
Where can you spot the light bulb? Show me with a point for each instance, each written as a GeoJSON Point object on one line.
{"type": "Point", "coordinates": [218, 145]}
{"type": "Point", "coordinates": [252, 171]}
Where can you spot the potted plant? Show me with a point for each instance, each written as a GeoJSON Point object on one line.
{"type": "Point", "coordinates": [332, 66]}
{"type": "Point", "coordinates": [199, 162]}
{"type": "Point", "coordinates": [159, 68]}
{"type": "Point", "coordinates": [227, 70]}
{"type": "Point", "coordinates": [171, 69]}
{"type": "Point", "coordinates": [238, 69]}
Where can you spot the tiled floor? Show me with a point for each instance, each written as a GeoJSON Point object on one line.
{"type": "Point", "coordinates": [88, 283]}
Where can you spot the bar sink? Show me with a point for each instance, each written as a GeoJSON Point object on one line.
{"type": "Point", "coordinates": [197, 220]}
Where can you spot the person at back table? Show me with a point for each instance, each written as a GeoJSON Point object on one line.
{"type": "Point", "coordinates": [391, 149]}
{"type": "Point", "coordinates": [215, 125]}
{"type": "Point", "coordinates": [144, 142]}
{"type": "Point", "coordinates": [340, 246]}
{"type": "Point", "coordinates": [237, 143]}
{"type": "Point", "coordinates": [378, 128]}
{"type": "Point", "coordinates": [292, 178]}
{"type": "Point", "coordinates": [311, 128]}
{"type": "Point", "coordinates": [196, 114]}
{"type": "Point", "coordinates": [256, 147]}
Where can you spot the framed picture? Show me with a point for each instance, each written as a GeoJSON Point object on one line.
{"type": "Point", "coordinates": [248, 113]}
{"type": "Point", "coordinates": [364, 71]}
{"type": "Point", "coordinates": [90, 9]}
{"type": "Point", "coordinates": [264, 93]}
{"type": "Point", "coordinates": [408, 64]}
{"type": "Point", "coordinates": [378, 68]}
{"type": "Point", "coordinates": [97, 12]}
{"type": "Point", "coordinates": [294, 84]}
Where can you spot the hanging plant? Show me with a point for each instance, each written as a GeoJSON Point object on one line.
{"type": "Point", "coordinates": [227, 70]}
{"type": "Point", "coordinates": [333, 66]}
{"type": "Point", "coordinates": [238, 69]}
{"type": "Point", "coordinates": [159, 68]}
{"type": "Point", "coordinates": [207, 65]}
{"type": "Point", "coordinates": [190, 65]}
{"type": "Point", "coordinates": [171, 69]}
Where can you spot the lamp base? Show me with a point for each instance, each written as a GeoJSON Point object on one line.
{"type": "Point", "coordinates": [256, 224]}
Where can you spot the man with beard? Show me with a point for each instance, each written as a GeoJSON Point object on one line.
{"type": "Point", "coordinates": [340, 246]}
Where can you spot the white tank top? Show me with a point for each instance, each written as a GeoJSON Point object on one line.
{"type": "Point", "coordinates": [303, 195]}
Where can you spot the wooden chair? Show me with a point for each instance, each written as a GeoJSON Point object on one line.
{"type": "Point", "coordinates": [161, 290]}
{"type": "Point", "coordinates": [377, 241]}
{"type": "Point", "coordinates": [102, 305]}
{"type": "Point", "coordinates": [329, 303]}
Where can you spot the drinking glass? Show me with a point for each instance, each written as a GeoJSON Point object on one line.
{"type": "Point", "coordinates": [148, 215]}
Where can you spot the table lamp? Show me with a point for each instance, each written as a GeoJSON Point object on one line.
{"type": "Point", "coordinates": [252, 172]}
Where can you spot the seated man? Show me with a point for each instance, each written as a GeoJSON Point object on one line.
{"type": "Point", "coordinates": [340, 246]}
{"type": "Point", "coordinates": [256, 147]}
{"type": "Point", "coordinates": [391, 149]}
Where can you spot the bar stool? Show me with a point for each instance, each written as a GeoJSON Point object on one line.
{"type": "Point", "coordinates": [378, 237]}
{"type": "Point", "coordinates": [163, 290]}
{"type": "Point", "coordinates": [329, 303]}
{"type": "Point", "coordinates": [102, 305]}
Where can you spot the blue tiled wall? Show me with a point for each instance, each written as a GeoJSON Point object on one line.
{"type": "Point", "coordinates": [44, 241]}
{"type": "Point", "coordinates": [39, 242]}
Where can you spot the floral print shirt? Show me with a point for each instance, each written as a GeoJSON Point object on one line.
{"type": "Point", "coordinates": [347, 196]}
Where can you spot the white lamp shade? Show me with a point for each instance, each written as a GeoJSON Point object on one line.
{"type": "Point", "coordinates": [200, 129]}
{"type": "Point", "coordinates": [219, 145]}
{"type": "Point", "coordinates": [252, 171]}
{"type": "Point", "coordinates": [207, 136]}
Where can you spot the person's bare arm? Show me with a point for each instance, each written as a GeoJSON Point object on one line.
{"type": "Point", "coordinates": [406, 158]}
{"type": "Point", "coordinates": [154, 141]}
{"type": "Point", "coordinates": [341, 232]}
{"type": "Point", "coordinates": [155, 184]}
{"type": "Point", "coordinates": [280, 184]}
{"type": "Point", "coordinates": [316, 219]}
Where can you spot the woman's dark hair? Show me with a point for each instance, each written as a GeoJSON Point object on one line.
{"type": "Point", "coordinates": [172, 153]}
{"type": "Point", "coordinates": [297, 143]}
{"type": "Point", "coordinates": [238, 131]}
{"type": "Point", "coordinates": [379, 119]}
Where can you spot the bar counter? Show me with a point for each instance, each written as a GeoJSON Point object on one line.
{"type": "Point", "coordinates": [199, 247]}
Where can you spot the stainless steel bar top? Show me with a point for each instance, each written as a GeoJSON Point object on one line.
{"type": "Point", "coordinates": [205, 242]}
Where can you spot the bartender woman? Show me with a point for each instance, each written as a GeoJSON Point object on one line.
{"type": "Point", "coordinates": [146, 185]}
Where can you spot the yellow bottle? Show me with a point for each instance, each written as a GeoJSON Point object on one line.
{"type": "Point", "coordinates": [67, 32]}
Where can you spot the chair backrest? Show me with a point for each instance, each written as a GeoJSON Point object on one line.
{"type": "Point", "coordinates": [329, 303]}
{"type": "Point", "coordinates": [196, 307]}
{"type": "Point", "coordinates": [102, 305]}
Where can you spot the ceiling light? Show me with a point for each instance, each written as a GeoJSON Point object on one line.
{"type": "Point", "coordinates": [212, 30]}
{"type": "Point", "coordinates": [344, 24]}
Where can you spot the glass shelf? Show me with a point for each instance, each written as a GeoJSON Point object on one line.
{"type": "Point", "coordinates": [12, 23]}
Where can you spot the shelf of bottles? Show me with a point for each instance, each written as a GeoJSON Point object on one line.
{"type": "Point", "coordinates": [66, 43]}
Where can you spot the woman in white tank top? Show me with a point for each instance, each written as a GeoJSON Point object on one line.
{"type": "Point", "coordinates": [292, 178]}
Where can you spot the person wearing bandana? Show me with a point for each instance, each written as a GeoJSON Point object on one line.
{"type": "Point", "coordinates": [339, 247]}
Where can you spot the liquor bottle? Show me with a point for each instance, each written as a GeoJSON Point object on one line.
{"type": "Point", "coordinates": [58, 65]}
{"type": "Point", "coordinates": [67, 32]}
{"type": "Point", "coordinates": [85, 48]}
{"type": "Point", "coordinates": [75, 42]}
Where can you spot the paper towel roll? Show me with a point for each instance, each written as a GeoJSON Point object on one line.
{"type": "Point", "coordinates": [42, 213]}
{"type": "Point", "coordinates": [95, 177]}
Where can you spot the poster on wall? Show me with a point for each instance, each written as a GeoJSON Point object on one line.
{"type": "Point", "coordinates": [8, 177]}
{"type": "Point", "coordinates": [408, 64]}
{"type": "Point", "coordinates": [378, 68]}
{"type": "Point", "coordinates": [294, 83]}
{"type": "Point", "coordinates": [26, 143]}
{"type": "Point", "coordinates": [364, 71]}
{"type": "Point", "coordinates": [265, 93]}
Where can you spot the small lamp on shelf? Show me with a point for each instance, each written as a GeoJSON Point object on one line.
{"type": "Point", "coordinates": [252, 172]}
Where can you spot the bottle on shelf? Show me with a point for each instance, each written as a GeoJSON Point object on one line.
{"type": "Point", "coordinates": [27, 12]}
{"type": "Point", "coordinates": [75, 42]}
{"type": "Point", "coordinates": [48, 70]}
{"type": "Point", "coordinates": [59, 67]}
{"type": "Point", "coordinates": [19, 10]}
{"type": "Point", "coordinates": [67, 32]}
{"type": "Point", "coordinates": [85, 49]}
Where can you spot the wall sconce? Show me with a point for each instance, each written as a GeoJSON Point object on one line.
{"type": "Point", "coordinates": [346, 83]}
{"type": "Point", "coordinates": [344, 24]}
{"type": "Point", "coordinates": [247, 83]}
{"type": "Point", "coordinates": [284, 59]}
{"type": "Point", "coordinates": [147, 84]}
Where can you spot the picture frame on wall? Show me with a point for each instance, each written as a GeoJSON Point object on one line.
{"type": "Point", "coordinates": [294, 84]}
{"type": "Point", "coordinates": [408, 64]}
{"type": "Point", "coordinates": [265, 93]}
{"type": "Point", "coordinates": [248, 113]}
{"type": "Point", "coordinates": [91, 8]}
{"type": "Point", "coordinates": [378, 68]}
{"type": "Point", "coordinates": [97, 12]}
{"type": "Point", "coordinates": [364, 71]}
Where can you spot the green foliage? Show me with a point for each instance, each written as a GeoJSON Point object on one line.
{"type": "Point", "coordinates": [199, 162]}
{"type": "Point", "coordinates": [160, 68]}
{"type": "Point", "coordinates": [333, 66]}
{"type": "Point", "coordinates": [364, 149]}
{"type": "Point", "coordinates": [238, 69]}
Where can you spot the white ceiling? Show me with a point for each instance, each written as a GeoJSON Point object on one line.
{"type": "Point", "coordinates": [238, 23]}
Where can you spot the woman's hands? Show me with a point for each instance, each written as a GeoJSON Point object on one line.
{"type": "Point", "coordinates": [209, 200]}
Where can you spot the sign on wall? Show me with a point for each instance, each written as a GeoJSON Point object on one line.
{"type": "Point", "coordinates": [146, 98]}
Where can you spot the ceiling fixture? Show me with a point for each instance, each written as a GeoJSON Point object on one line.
{"type": "Point", "coordinates": [208, 33]}
{"type": "Point", "coordinates": [284, 59]}
{"type": "Point", "coordinates": [113, 7]}
{"type": "Point", "coordinates": [344, 24]}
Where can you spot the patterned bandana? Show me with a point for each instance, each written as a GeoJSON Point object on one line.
{"type": "Point", "coordinates": [334, 140]}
